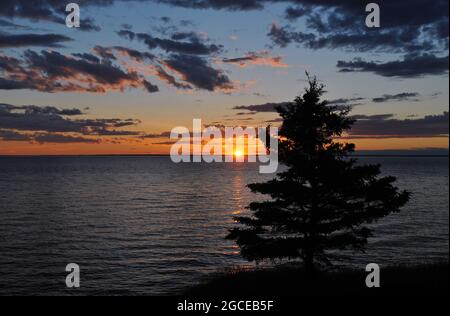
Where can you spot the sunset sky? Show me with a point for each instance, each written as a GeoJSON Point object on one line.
{"type": "Point", "coordinates": [137, 69]}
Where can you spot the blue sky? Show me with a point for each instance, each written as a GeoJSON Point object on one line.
{"type": "Point", "coordinates": [240, 33]}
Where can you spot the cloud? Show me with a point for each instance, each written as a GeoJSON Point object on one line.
{"type": "Point", "coordinates": [50, 71]}
{"type": "Point", "coordinates": [293, 13]}
{"type": "Point", "coordinates": [183, 43]}
{"type": "Point", "coordinates": [392, 42]}
{"type": "Point", "coordinates": [233, 5]}
{"type": "Point", "coordinates": [164, 76]}
{"type": "Point", "coordinates": [375, 117]}
{"type": "Point", "coordinates": [199, 73]}
{"type": "Point", "coordinates": [12, 136]}
{"type": "Point", "coordinates": [153, 136]}
{"type": "Point", "coordinates": [48, 10]}
{"type": "Point", "coordinates": [48, 124]}
{"type": "Point", "coordinates": [271, 107]}
{"type": "Point", "coordinates": [257, 59]}
{"type": "Point", "coordinates": [405, 96]}
{"type": "Point", "coordinates": [33, 109]}
{"type": "Point", "coordinates": [421, 27]}
{"type": "Point", "coordinates": [410, 67]}
{"type": "Point", "coordinates": [52, 119]}
{"type": "Point", "coordinates": [261, 108]}
{"type": "Point", "coordinates": [62, 139]}
{"type": "Point", "coordinates": [182, 71]}
{"type": "Point", "coordinates": [41, 138]}
{"type": "Point", "coordinates": [347, 101]}
{"type": "Point", "coordinates": [23, 40]}
{"type": "Point", "coordinates": [134, 54]}
{"type": "Point", "coordinates": [384, 126]}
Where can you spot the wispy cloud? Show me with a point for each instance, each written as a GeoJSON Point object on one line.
{"type": "Point", "coordinates": [410, 67]}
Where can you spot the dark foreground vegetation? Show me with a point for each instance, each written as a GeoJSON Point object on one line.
{"type": "Point", "coordinates": [289, 281]}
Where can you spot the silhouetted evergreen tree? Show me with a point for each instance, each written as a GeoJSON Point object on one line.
{"type": "Point", "coordinates": [324, 199]}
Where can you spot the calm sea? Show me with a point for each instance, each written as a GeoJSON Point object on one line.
{"type": "Point", "coordinates": [146, 226]}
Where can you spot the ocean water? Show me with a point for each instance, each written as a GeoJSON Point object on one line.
{"type": "Point", "coordinates": [146, 226]}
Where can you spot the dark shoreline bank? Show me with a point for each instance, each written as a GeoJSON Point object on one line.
{"type": "Point", "coordinates": [431, 279]}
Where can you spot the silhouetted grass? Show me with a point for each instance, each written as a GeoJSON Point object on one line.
{"type": "Point", "coordinates": [288, 281]}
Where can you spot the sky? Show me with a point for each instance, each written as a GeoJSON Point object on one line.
{"type": "Point", "coordinates": [134, 70]}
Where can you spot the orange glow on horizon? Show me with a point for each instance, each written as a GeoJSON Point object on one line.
{"type": "Point", "coordinates": [150, 148]}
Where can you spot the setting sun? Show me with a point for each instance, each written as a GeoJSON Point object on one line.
{"type": "Point", "coordinates": [239, 153]}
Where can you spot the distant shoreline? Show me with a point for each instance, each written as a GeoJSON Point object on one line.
{"type": "Point", "coordinates": [166, 155]}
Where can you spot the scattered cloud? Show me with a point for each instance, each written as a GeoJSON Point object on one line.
{"type": "Point", "coordinates": [261, 108]}
{"type": "Point", "coordinates": [385, 126]}
{"type": "Point", "coordinates": [405, 96]}
{"type": "Point", "coordinates": [52, 119]}
{"type": "Point", "coordinates": [199, 73]}
{"type": "Point", "coordinates": [347, 101]}
{"type": "Point", "coordinates": [257, 59]}
{"type": "Point", "coordinates": [50, 71]}
{"type": "Point", "coordinates": [47, 10]}
{"type": "Point", "coordinates": [182, 43]}
{"type": "Point", "coordinates": [422, 27]}
{"type": "Point", "coordinates": [49, 124]}
{"type": "Point", "coordinates": [410, 67]}
{"type": "Point", "coordinates": [62, 139]}
{"type": "Point", "coordinates": [23, 40]}
{"type": "Point", "coordinates": [271, 107]}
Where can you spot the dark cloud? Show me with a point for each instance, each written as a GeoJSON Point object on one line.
{"type": "Point", "coordinates": [405, 96]}
{"type": "Point", "coordinates": [104, 52]}
{"type": "Point", "coordinates": [88, 25]}
{"type": "Point", "coordinates": [347, 101]}
{"type": "Point", "coordinates": [293, 13]}
{"type": "Point", "coordinates": [51, 71]}
{"type": "Point", "coordinates": [151, 88]}
{"type": "Point", "coordinates": [184, 43]}
{"type": "Point", "coordinates": [7, 135]}
{"type": "Point", "coordinates": [48, 124]}
{"type": "Point", "coordinates": [181, 71]}
{"type": "Point", "coordinates": [407, 26]}
{"type": "Point", "coordinates": [261, 108]}
{"type": "Point", "coordinates": [384, 126]}
{"type": "Point", "coordinates": [257, 59]}
{"type": "Point", "coordinates": [199, 73]}
{"type": "Point", "coordinates": [375, 117]}
{"type": "Point", "coordinates": [23, 40]}
{"type": "Point", "coordinates": [169, 79]}
{"type": "Point", "coordinates": [136, 55]}
{"type": "Point", "coordinates": [153, 136]}
{"type": "Point", "coordinates": [233, 5]}
{"type": "Point", "coordinates": [411, 66]}
{"type": "Point", "coordinates": [62, 139]}
{"type": "Point", "coordinates": [272, 107]}
{"type": "Point", "coordinates": [48, 10]}
{"type": "Point", "coordinates": [42, 138]}
{"type": "Point", "coordinates": [283, 36]}
{"type": "Point", "coordinates": [52, 119]}
{"type": "Point", "coordinates": [89, 57]}
{"type": "Point", "coordinates": [33, 109]}
{"type": "Point", "coordinates": [369, 41]}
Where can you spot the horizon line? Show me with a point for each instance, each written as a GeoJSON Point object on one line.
{"type": "Point", "coordinates": [168, 155]}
